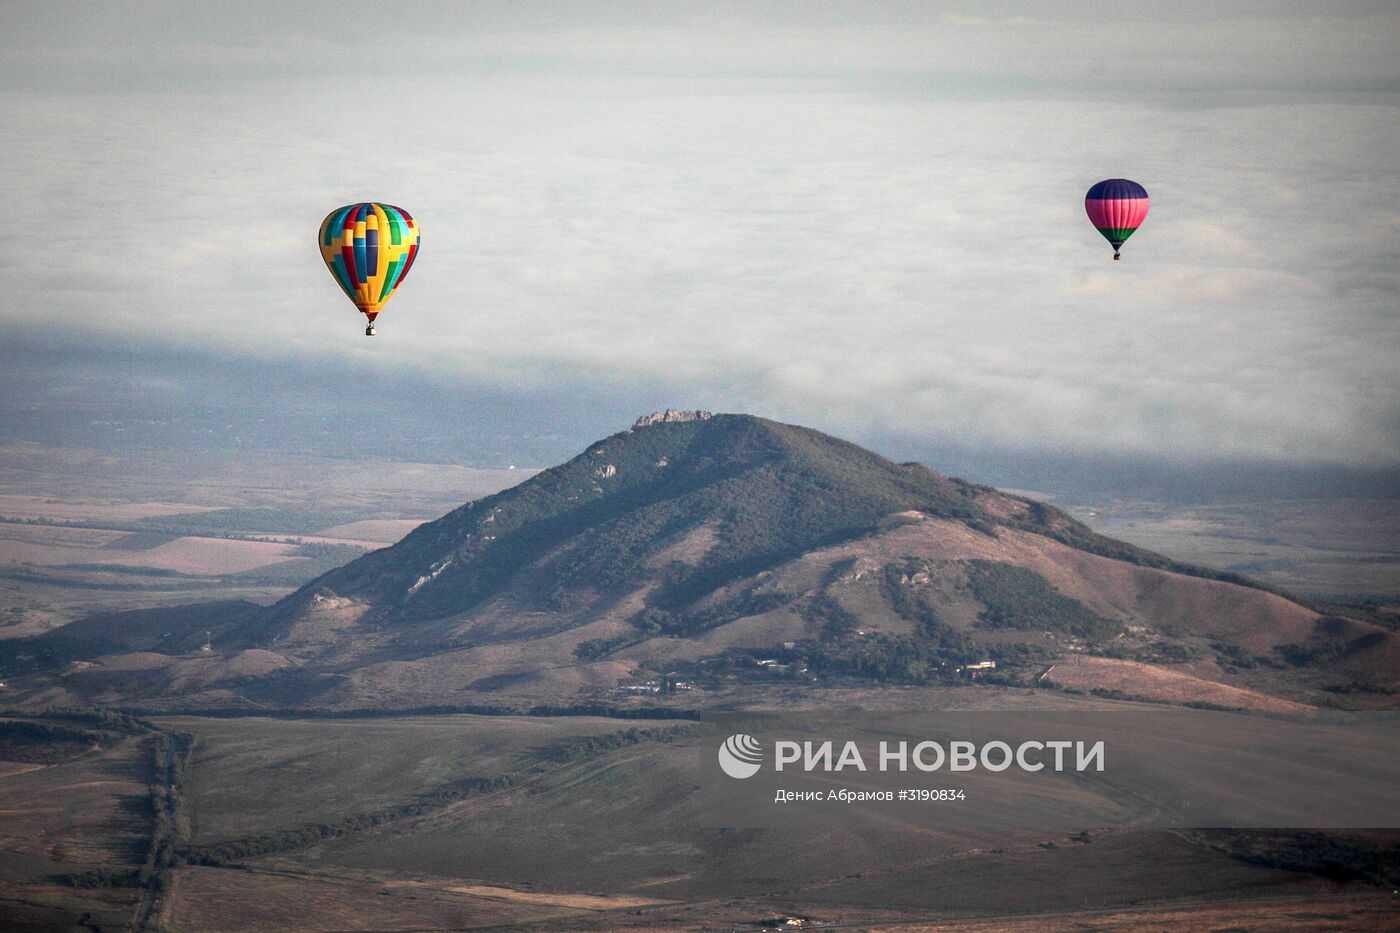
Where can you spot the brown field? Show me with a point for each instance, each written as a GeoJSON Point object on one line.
{"type": "Point", "coordinates": [255, 775]}
{"type": "Point", "coordinates": [89, 510]}
{"type": "Point", "coordinates": [1153, 682]}
{"type": "Point", "coordinates": [14, 535]}
{"type": "Point", "coordinates": [56, 908]}
{"type": "Point", "coordinates": [231, 900]}
{"type": "Point", "coordinates": [213, 556]}
{"type": "Point", "coordinates": [88, 810]}
{"type": "Point", "coordinates": [382, 531]}
{"type": "Point", "coordinates": [196, 556]}
{"type": "Point", "coordinates": [41, 545]}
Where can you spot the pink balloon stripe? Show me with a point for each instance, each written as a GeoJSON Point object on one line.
{"type": "Point", "coordinates": [1117, 213]}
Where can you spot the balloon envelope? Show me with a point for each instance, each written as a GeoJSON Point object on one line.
{"type": "Point", "coordinates": [1117, 207]}
{"type": "Point", "coordinates": [369, 248]}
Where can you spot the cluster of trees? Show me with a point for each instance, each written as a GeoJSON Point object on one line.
{"type": "Point", "coordinates": [1017, 663]}
{"type": "Point", "coordinates": [1334, 855]}
{"type": "Point", "coordinates": [170, 822]}
{"type": "Point", "coordinates": [915, 603]}
{"type": "Point", "coordinates": [653, 622]}
{"type": "Point", "coordinates": [59, 730]}
{"type": "Point", "coordinates": [1312, 654]}
{"type": "Point", "coordinates": [1109, 693]}
{"type": "Point", "coordinates": [21, 730]}
{"type": "Point", "coordinates": [837, 621]}
{"type": "Point", "coordinates": [42, 742]}
{"type": "Point", "coordinates": [589, 746]}
{"type": "Point", "coordinates": [1356, 686]}
{"type": "Point", "coordinates": [594, 648]}
{"type": "Point", "coordinates": [1019, 598]}
{"type": "Point", "coordinates": [693, 621]}
{"type": "Point", "coordinates": [1157, 652]}
{"type": "Point", "coordinates": [1233, 658]}
{"type": "Point", "coordinates": [234, 851]}
{"type": "Point", "coordinates": [612, 712]}
{"type": "Point", "coordinates": [901, 659]}
{"type": "Point", "coordinates": [99, 878]}
{"type": "Point", "coordinates": [226, 522]}
{"type": "Point", "coordinates": [600, 710]}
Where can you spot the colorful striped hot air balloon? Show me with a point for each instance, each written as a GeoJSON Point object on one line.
{"type": "Point", "coordinates": [369, 248]}
{"type": "Point", "coordinates": [1117, 207]}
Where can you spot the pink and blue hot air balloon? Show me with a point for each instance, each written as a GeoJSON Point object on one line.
{"type": "Point", "coordinates": [1117, 207]}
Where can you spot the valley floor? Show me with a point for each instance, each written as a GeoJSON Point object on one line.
{"type": "Point", "coordinates": [565, 823]}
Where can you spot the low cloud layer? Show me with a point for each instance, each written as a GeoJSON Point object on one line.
{"type": "Point", "coordinates": [872, 224]}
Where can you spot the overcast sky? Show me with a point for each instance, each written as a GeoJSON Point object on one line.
{"type": "Point", "coordinates": [863, 217]}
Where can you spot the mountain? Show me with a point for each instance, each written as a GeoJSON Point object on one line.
{"type": "Point", "coordinates": [765, 492]}
{"type": "Point", "coordinates": [733, 553]}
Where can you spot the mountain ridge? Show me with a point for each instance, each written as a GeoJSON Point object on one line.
{"type": "Point", "coordinates": [692, 546]}
{"type": "Point", "coordinates": [670, 473]}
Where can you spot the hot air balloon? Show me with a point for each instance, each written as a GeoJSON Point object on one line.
{"type": "Point", "coordinates": [1117, 207]}
{"type": "Point", "coordinates": [369, 248]}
